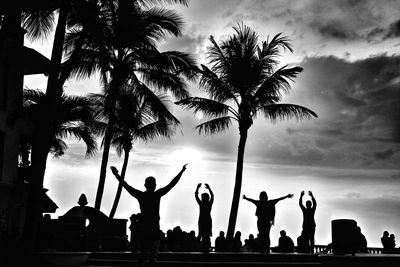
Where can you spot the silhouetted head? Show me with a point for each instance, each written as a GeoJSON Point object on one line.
{"type": "Point", "coordinates": [391, 236]}
{"type": "Point", "coordinates": [150, 183]}
{"type": "Point", "coordinates": [205, 198]}
{"type": "Point", "coordinates": [308, 204]}
{"type": "Point", "coordinates": [221, 234]}
{"type": "Point", "coordinates": [238, 234]}
{"type": "Point", "coordinates": [263, 196]}
{"type": "Point", "coordinates": [283, 233]}
{"type": "Point", "coordinates": [251, 237]}
{"type": "Point", "coordinates": [386, 234]}
{"type": "Point", "coordinates": [82, 200]}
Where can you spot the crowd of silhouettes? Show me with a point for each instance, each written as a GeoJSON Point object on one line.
{"type": "Point", "coordinates": [148, 239]}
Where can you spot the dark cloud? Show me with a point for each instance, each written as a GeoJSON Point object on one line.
{"type": "Point", "coordinates": [358, 107]}
{"type": "Point", "coordinates": [335, 30]}
{"type": "Point", "coordinates": [378, 207]}
{"type": "Point", "coordinates": [384, 154]}
{"type": "Point", "coordinates": [394, 30]}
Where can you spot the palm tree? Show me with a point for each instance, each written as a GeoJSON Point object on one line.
{"type": "Point", "coordinates": [244, 82]}
{"type": "Point", "coordinates": [74, 117]}
{"type": "Point", "coordinates": [136, 120]}
{"type": "Point", "coordinates": [123, 47]}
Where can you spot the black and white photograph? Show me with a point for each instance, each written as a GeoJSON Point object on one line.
{"type": "Point", "coordinates": [199, 133]}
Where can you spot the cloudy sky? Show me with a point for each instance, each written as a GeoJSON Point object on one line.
{"type": "Point", "coordinates": [349, 156]}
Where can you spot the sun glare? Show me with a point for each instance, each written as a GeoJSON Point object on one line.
{"type": "Point", "coordinates": [189, 155]}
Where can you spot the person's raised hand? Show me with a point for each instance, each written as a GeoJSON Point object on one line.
{"type": "Point", "coordinates": [302, 193]}
{"type": "Point", "coordinates": [207, 186]}
{"type": "Point", "coordinates": [114, 170]}
{"type": "Point", "coordinates": [290, 195]}
{"type": "Point", "coordinates": [184, 167]}
{"type": "Point", "coordinates": [198, 185]}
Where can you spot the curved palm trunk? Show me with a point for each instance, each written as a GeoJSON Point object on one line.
{"type": "Point", "coordinates": [42, 135]}
{"type": "Point", "coordinates": [114, 86]}
{"type": "Point", "coordinates": [119, 190]}
{"type": "Point", "coordinates": [238, 185]}
{"type": "Point", "coordinates": [103, 168]}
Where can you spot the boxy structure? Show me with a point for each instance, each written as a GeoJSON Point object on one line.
{"type": "Point", "coordinates": [16, 60]}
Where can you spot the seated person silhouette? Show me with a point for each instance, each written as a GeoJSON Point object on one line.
{"type": "Point", "coordinates": [205, 221]}
{"type": "Point", "coordinates": [385, 242]}
{"type": "Point", "coordinates": [149, 201]}
{"type": "Point", "coordinates": [308, 218]}
{"type": "Point", "coordinates": [265, 213]}
{"type": "Point", "coordinates": [285, 244]}
{"type": "Point", "coordinates": [303, 244]}
{"type": "Point", "coordinates": [220, 242]}
{"type": "Point", "coordinates": [361, 241]}
{"type": "Point", "coordinates": [392, 243]}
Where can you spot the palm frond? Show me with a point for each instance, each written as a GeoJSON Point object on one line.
{"type": "Point", "coordinates": [165, 81]}
{"type": "Point", "coordinates": [286, 111]}
{"type": "Point", "coordinates": [279, 80]}
{"type": "Point", "coordinates": [217, 125]}
{"type": "Point", "coordinates": [38, 24]}
{"type": "Point", "coordinates": [159, 128]}
{"type": "Point", "coordinates": [148, 3]}
{"type": "Point", "coordinates": [207, 107]}
{"type": "Point", "coordinates": [215, 86]}
{"type": "Point", "coordinates": [160, 22]}
{"type": "Point", "coordinates": [58, 147]}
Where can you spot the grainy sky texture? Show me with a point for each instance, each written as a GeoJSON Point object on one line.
{"type": "Point", "coordinates": [349, 156]}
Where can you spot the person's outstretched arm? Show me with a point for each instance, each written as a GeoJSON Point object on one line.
{"type": "Point", "coordinates": [171, 184]}
{"type": "Point", "coordinates": [134, 192]}
{"type": "Point", "coordinates": [301, 201]}
{"type": "Point", "coordinates": [314, 202]}
{"type": "Point", "coordinates": [211, 194]}
{"type": "Point", "coordinates": [282, 198]}
{"type": "Point", "coordinates": [196, 194]}
{"type": "Point", "coordinates": [250, 199]}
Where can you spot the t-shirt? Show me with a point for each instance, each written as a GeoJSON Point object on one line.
{"type": "Point", "coordinates": [266, 210]}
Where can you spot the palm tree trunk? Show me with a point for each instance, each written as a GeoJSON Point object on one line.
{"type": "Point", "coordinates": [110, 105]}
{"type": "Point", "coordinates": [42, 135]}
{"type": "Point", "coordinates": [103, 168]}
{"type": "Point", "coordinates": [119, 190]}
{"type": "Point", "coordinates": [238, 185]}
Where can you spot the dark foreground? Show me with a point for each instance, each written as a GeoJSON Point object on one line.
{"type": "Point", "coordinates": [186, 259]}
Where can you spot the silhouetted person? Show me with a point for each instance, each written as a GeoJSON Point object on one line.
{"type": "Point", "coordinates": [149, 202]}
{"type": "Point", "coordinates": [385, 242]}
{"type": "Point", "coordinates": [361, 241]}
{"type": "Point", "coordinates": [237, 242]}
{"type": "Point", "coordinates": [285, 243]}
{"type": "Point", "coordinates": [303, 244]}
{"type": "Point", "coordinates": [220, 242]}
{"type": "Point", "coordinates": [265, 213]}
{"type": "Point", "coordinates": [205, 221]}
{"type": "Point", "coordinates": [308, 218]}
{"type": "Point", "coordinates": [392, 243]}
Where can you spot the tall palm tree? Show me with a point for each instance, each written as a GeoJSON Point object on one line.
{"type": "Point", "coordinates": [244, 82]}
{"type": "Point", "coordinates": [74, 117]}
{"type": "Point", "coordinates": [136, 120]}
{"type": "Point", "coordinates": [124, 50]}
